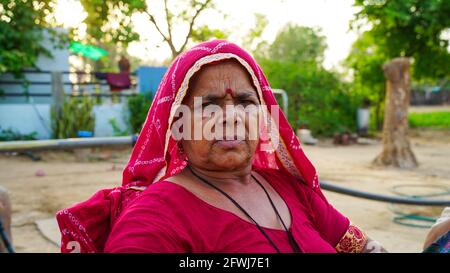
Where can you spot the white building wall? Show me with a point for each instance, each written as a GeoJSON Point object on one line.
{"type": "Point", "coordinates": [26, 118]}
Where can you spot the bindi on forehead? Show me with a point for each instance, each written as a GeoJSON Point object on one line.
{"type": "Point", "coordinates": [229, 91]}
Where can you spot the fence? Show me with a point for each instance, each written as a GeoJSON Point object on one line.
{"type": "Point", "coordinates": [25, 103]}
{"type": "Point", "coordinates": [53, 83]}
{"type": "Point", "coordinates": [430, 97]}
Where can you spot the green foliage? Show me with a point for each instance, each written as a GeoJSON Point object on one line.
{"type": "Point", "coordinates": [101, 13]}
{"type": "Point", "coordinates": [253, 39]}
{"type": "Point", "coordinates": [411, 28]}
{"type": "Point", "coordinates": [138, 107]}
{"type": "Point", "coordinates": [298, 44]}
{"type": "Point", "coordinates": [431, 119]}
{"type": "Point", "coordinates": [22, 26]}
{"type": "Point", "coordinates": [11, 135]}
{"type": "Point", "coordinates": [318, 99]}
{"type": "Point", "coordinates": [116, 129]}
{"type": "Point", "coordinates": [204, 33]}
{"type": "Point", "coordinates": [76, 114]}
{"type": "Point", "coordinates": [366, 59]}
{"type": "Point", "coordinates": [176, 14]}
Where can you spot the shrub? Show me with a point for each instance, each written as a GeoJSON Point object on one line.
{"type": "Point", "coordinates": [138, 107]}
{"type": "Point", "coordinates": [76, 114]}
{"type": "Point", "coordinates": [430, 119]}
{"type": "Point", "coordinates": [317, 97]}
{"type": "Point", "coordinates": [11, 135]}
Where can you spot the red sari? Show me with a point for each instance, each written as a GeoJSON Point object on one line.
{"type": "Point", "coordinates": [148, 213]}
{"type": "Point", "coordinates": [169, 218]}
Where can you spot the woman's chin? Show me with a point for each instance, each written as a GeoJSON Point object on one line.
{"type": "Point", "coordinates": [231, 160]}
{"type": "Point", "coordinates": [228, 145]}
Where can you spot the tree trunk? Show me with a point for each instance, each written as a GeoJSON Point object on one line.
{"type": "Point", "coordinates": [396, 147]}
{"type": "Point", "coordinates": [379, 109]}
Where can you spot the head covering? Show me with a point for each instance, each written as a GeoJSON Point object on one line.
{"type": "Point", "coordinates": [85, 226]}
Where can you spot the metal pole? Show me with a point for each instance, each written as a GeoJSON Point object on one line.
{"type": "Point", "coordinates": [284, 98]}
{"type": "Point", "coordinates": [382, 198]}
{"type": "Point", "coordinates": [69, 143]}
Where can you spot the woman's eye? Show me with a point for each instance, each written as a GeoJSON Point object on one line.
{"type": "Point", "coordinates": [248, 102]}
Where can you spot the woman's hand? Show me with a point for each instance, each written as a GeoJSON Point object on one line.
{"type": "Point", "coordinates": [373, 246]}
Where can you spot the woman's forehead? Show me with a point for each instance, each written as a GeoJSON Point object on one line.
{"type": "Point", "coordinates": [220, 77]}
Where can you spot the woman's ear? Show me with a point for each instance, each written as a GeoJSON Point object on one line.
{"type": "Point", "coordinates": [175, 122]}
{"type": "Point", "coordinates": [180, 147]}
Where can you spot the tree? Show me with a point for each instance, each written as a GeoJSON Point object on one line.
{"type": "Point", "coordinates": [253, 40]}
{"type": "Point", "coordinates": [410, 28]}
{"type": "Point", "coordinates": [298, 44]}
{"type": "Point", "coordinates": [204, 33]}
{"type": "Point", "coordinates": [396, 147]}
{"type": "Point", "coordinates": [109, 22]}
{"type": "Point", "coordinates": [398, 28]}
{"type": "Point", "coordinates": [403, 28]}
{"type": "Point", "coordinates": [317, 97]}
{"type": "Point", "coordinates": [22, 26]}
{"type": "Point", "coordinates": [366, 58]}
{"type": "Point", "coordinates": [184, 14]}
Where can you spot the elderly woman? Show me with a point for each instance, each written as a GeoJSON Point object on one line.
{"type": "Point", "coordinates": [230, 193]}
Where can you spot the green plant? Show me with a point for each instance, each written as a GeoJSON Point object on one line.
{"type": "Point", "coordinates": [175, 16]}
{"type": "Point", "coordinates": [410, 28]}
{"type": "Point", "coordinates": [395, 28]}
{"type": "Point", "coordinates": [138, 107]}
{"type": "Point", "coordinates": [116, 129]}
{"type": "Point", "coordinates": [10, 135]}
{"type": "Point", "coordinates": [431, 119]}
{"type": "Point", "coordinates": [76, 114]}
{"type": "Point", "coordinates": [365, 61]}
{"type": "Point", "coordinates": [318, 99]}
{"type": "Point", "coordinates": [23, 25]}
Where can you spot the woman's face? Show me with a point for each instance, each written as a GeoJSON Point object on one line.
{"type": "Point", "coordinates": [230, 136]}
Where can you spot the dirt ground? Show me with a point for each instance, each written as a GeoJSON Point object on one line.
{"type": "Point", "coordinates": [70, 177]}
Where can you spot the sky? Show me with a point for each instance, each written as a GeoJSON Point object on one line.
{"type": "Point", "coordinates": [332, 16]}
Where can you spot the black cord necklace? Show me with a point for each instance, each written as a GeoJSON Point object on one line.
{"type": "Point", "coordinates": [291, 239]}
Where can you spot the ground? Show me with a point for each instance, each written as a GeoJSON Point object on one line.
{"type": "Point", "coordinates": [68, 177]}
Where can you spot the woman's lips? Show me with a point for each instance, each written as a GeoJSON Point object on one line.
{"type": "Point", "coordinates": [229, 144]}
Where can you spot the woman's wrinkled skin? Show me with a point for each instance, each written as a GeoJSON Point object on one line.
{"type": "Point", "coordinates": [211, 84]}
{"type": "Point", "coordinates": [228, 164]}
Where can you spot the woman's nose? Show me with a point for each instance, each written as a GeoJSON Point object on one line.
{"type": "Point", "coordinates": [233, 115]}
{"type": "Point", "coordinates": [230, 114]}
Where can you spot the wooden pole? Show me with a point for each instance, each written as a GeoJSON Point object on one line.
{"type": "Point", "coordinates": [57, 91]}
